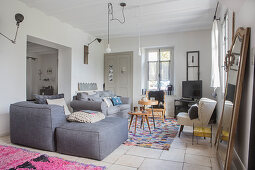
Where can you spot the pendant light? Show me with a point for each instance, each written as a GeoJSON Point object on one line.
{"type": "Point", "coordinates": [110, 13]}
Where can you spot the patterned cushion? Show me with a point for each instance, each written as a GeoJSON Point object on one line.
{"type": "Point", "coordinates": [42, 99]}
{"type": "Point", "coordinates": [116, 101]}
{"type": "Point", "coordinates": [86, 117]}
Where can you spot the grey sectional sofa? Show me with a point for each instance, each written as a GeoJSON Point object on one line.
{"type": "Point", "coordinates": [95, 102]}
{"type": "Point", "coordinates": [45, 127]}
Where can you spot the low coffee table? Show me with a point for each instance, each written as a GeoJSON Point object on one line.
{"type": "Point", "coordinates": [144, 115]}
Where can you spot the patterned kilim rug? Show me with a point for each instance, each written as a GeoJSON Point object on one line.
{"type": "Point", "coordinates": [13, 158]}
{"type": "Point", "coordinates": [160, 138]}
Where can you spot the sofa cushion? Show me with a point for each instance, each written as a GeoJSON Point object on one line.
{"type": "Point", "coordinates": [124, 107]}
{"type": "Point", "coordinates": [95, 98]}
{"type": "Point", "coordinates": [193, 112]}
{"type": "Point", "coordinates": [59, 102]}
{"type": "Point", "coordinates": [113, 109]}
{"type": "Point", "coordinates": [86, 97]}
{"type": "Point", "coordinates": [116, 101]}
{"type": "Point", "coordinates": [108, 101]}
{"type": "Point", "coordinates": [41, 99]}
{"type": "Point", "coordinates": [82, 96]}
{"type": "Point", "coordinates": [106, 93]}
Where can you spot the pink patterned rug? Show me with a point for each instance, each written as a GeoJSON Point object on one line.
{"type": "Point", "coordinates": [13, 158]}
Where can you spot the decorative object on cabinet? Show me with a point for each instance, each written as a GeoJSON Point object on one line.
{"type": "Point", "coordinates": [193, 70]}
{"type": "Point", "coordinates": [225, 137]}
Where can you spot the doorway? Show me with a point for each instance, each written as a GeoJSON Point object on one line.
{"type": "Point", "coordinates": [118, 73]}
{"type": "Point", "coordinates": [42, 70]}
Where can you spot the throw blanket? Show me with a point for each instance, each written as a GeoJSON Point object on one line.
{"type": "Point", "coordinates": [193, 112]}
{"type": "Point", "coordinates": [86, 116]}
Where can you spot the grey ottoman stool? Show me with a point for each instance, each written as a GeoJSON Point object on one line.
{"type": "Point", "coordinates": [92, 140]}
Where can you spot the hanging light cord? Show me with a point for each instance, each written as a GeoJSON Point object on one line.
{"type": "Point", "coordinates": [110, 12]}
{"type": "Point", "coordinates": [109, 4]}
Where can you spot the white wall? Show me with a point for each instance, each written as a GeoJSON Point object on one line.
{"type": "Point", "coordinates": [13, 57]}
{"type": "Point", "coordinates": [245, 17]}
{"type": "Point", "coordinates": [182, 42]}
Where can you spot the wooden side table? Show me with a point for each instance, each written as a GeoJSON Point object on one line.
{"type": "Point", "coordinates": [149, 103]}
{"type": "Point", "coordinates": [136, 114]}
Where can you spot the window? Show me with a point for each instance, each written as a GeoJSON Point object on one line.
{"type": "Point", "coordinates": [225, 40]}
{"type": "Point", "coordinates": [159, 61]}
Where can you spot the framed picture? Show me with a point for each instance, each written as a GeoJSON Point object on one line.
{"type": "Point", "coordinates": [192, 65]}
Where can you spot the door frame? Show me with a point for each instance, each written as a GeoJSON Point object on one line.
{"type": "Point", "coordinates": [131, 53]}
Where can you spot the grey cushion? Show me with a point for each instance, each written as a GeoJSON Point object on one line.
{"type": "Point", "coordinates": [82, 96]}
{"type": "Point", "coordinates": [126, 100]}
{"type": "Point", "coordinates": [193, 112]}
{"type": "Point", "coordinates": [85, 97]}
{"type": "Point", "coordinates": [92, 140]}
{"type": "Point", "coordinates": [106, 93]}
{"type": "Point", "coordinates": [42, 99]}
{"type": "Point", "coordinates": [113, 109]}
{"type": "Point", "coordinates": [95, 98]}
{"type": "Point", "coordinates": [124, 106]}
{"type": "Point", "coordinates": [78, 105]}
{"type": "Point", "coordinates": [33, 125]}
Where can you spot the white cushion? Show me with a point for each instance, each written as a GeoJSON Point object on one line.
{"type": "Point", "coordinates": [108, 101]}
{"type": "Point", "coordinates": [59, 102]}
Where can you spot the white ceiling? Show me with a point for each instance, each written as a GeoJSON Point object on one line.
{"type": "Point", "coordinates": [157, 16]}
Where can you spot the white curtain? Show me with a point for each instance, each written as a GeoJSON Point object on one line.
{"type": "Point", "coordinates": [215, 74]}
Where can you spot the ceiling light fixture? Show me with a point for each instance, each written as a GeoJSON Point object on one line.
{"type": "Point", "coordinates": [19, 18]}
{"type": "Point", "coordinates": [112, 18]}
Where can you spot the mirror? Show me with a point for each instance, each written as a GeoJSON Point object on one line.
{"type": "Point", "coordinates": [235, 67]}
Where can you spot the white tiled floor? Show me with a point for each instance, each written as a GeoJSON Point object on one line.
{"type": "Point", "coordinates": [181, 156]}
